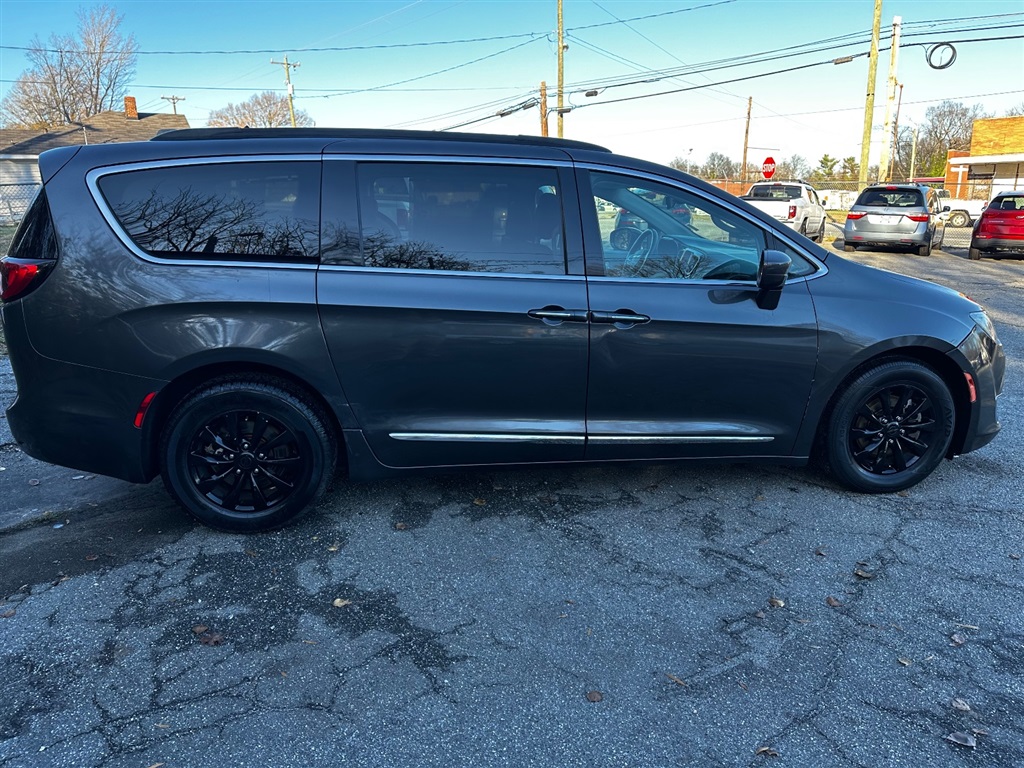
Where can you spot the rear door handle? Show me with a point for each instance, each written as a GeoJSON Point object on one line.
{"type": "Point", "coordinates": [623, 318]}
{"type": "Point", "coordinates": [553, 315]}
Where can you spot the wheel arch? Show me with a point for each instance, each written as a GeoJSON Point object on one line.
{"type": "Point", "coordinates": [181, 386]}
{"type": "Point", "coordinates": [943, 365]}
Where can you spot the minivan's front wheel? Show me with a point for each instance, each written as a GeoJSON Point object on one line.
{"type": "Point", "coordinates": [890, 427]}
{"type": "Point", "coordinates": [247, 454]}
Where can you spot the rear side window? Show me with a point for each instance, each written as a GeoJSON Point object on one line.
{"type": "Point", "coordinates": [461, 217]}
{"type": "Point", "coordinates": [891, 198]}
{"type": "Point", "coordinates": [1008, 203]}
{"type": "Point", "coordinates": [35, 238]}
{"type": "Point", "coordinates": [264, 211]}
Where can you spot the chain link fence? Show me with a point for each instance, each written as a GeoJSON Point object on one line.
{"type": "Point", "coordinates": [14, 201]}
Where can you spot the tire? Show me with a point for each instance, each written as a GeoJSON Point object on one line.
{"type": "Point", "coordinates": [973, 254]}
{"type": "Point", "coordinates": [821, 233]}
{"type": "Point", "coordinates": [803, 227]}
{"type": "Point", "coordinates": [959, 219]}
{"type": "Point", "coordinates": [849, 248]}
{"type": "Point", "coordinates": [890, 427]}
{"type": "Point", "coordinates": [926, 248]}
{"type": "Point", "coordinates": [211, 461]}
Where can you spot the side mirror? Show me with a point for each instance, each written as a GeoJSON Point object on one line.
{"type": "Point", "coordinates": [772, 271]}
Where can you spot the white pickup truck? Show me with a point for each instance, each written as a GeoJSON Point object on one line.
{"type": "Point", "coordinates": [962, 213]}
{"type": "Point", "coordinates": [794, 203]}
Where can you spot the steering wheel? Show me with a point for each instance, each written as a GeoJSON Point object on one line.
{"type": "Point", "coordinates": [641, 248]}
{"type": "Point", "coordinates": [733, 269]}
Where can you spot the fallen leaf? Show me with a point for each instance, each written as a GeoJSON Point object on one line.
{"type": "Point", "coordinates": [570, 602]}
{"type": "Point", "coordinates": [211, 638]}
{"type": "Point", "coordinates": [966, 626]}
{"type": "Point", "coordinates": [759, 497]}
{"type": "Point", "coordinates": [803, 621]}
{"type": "Point", "coordinates": [200, 628]}
{"type": "Point", "coordinates": [865, 563]}
{"type": "Point", "coordinates": [961, 705]}
{"type": "Point", "coordinates": [594, 696]}
{"type": "Point", "coordinates": [904, 494]}
{"type": "Point", "coordinates": [310, 642]}
{"type": "Point", "coordinates": [283, 673]}
{"type": "Point", "coordinates": [7, 614]}
{"type": "Point", "coordinates": [766, 751]}
{"type": "Point", "coordinates": [334, 547]}
{"type": "Point", "coordinates": [479, 502]}
{"type": "Point", "coordinates": [162, 725]}
{"type": "Point", "coordinates": [157, 765]}
{"type": "Point", "coordinates": [563, 615]}
{"type": "Point", "coordinates": [33, 481]}
{"type": "Point", "coordinates": [1015, 557]}
{"type": "Point", "coordinates": [862, 574]}
{"type": "Point", "coordinates": [90, 558]}
{"type": "Point", "coordinates": [820, 552]}
{"type": "Point", "coordinates": [675, 679]}
{"type": "Point", "coordinates": [775, 602]}
{"type": "Point", "coordinates": [400, 526]}
{"type": "Point", "coordinates": [341, 602]}
{"type": "Point", "coordinates": [905, 661]}
{"type": "Point", "coordinates": [759, 615]}
{"type": "Point", "coordinates": [963, 739]}
{"type": "Point", "coordinates": [743, 685]}
{"type": "Point", "coordinates": [957, 639]}
{"type": "Point", "coordinates": [833, 602]}
{"type": "Point", "coordinates": [979, 732]}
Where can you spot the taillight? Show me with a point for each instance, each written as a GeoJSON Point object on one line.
{"type": "Point", "coordinates": [792, 211]}
{"type": "Point", "coordinates": [855, 216]}
{"type": "Point", "coordinates": [918, 217]}
{"type": "Point", "coordinates": [19, 276]}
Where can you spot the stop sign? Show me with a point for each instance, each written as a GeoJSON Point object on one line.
{"type": "Point", "coordinates": [768, 167]}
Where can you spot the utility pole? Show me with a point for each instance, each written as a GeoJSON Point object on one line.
{"type": "Point", "coordinates": [894, 55]}
{"type": "Point", "coordinates": [746, 139]}
{"type": "Point", "coordinates": [561, 67]}
{"type": "Point", "coordinates": [896, 133]}
{"type": "Point", "coordinates": [913, 155]}
{"type": "Point", "coordinates": [174, 101]}
{"type": "Point", "coordinates": [543, 108]}
{"type": "Point", "coordinates": [869, 102]}
{"type": "Point", "coordinates": [291, 90]}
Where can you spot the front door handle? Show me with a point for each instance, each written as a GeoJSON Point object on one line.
{"type": "Point", "coordinates": [553, 315]}
{"type": "Point", "coordinates": [623, 318]}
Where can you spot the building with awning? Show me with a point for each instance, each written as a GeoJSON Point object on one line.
{"type": "Point", "coordinates": [995, 162]}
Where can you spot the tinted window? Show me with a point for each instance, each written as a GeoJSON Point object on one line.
{"type": "Point", "coordinates": [662, 232]}
{"type": "Point", "coordinates": [35, 238]}
{"type": "Point", "coordinates": [775, 192]}
{"type": "Point", "coordinates": [1008, 203]}
{"type": "Point", "coordinates": [262, 211]}
{"type": "Point", "coordinates": [891, 198]}
{"type": "Point", "coordinates": [467, 218]}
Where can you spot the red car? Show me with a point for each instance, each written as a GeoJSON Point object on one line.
{"type": "Point", "coordinates": [1000, 230]}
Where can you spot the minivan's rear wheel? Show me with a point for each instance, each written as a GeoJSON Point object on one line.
{"type": "Point", "coordinates": [890, 427]}
{"type": "Point", "coordinates": [247, 454]}
{"type": "Point", "coordinates": [973, 254]}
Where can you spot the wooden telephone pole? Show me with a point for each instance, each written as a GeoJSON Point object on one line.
{"type": "Point", "coordinates": [291, 89]}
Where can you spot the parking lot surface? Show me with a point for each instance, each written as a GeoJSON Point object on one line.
{"type": "Point", "coordinates": [691, 615]}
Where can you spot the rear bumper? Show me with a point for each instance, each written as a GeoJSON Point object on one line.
{"type": "Point", "coordinates": [877, 237]}
{"type": "Point", "coordinates": [998, 244]}
{"type": "Point", "coordinates": [82, 418]}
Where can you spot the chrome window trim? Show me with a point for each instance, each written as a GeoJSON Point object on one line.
{"type": "Point", "coordinates": [623, 171]}
{"type": "Point", "coordinates": [464, 159]}
{"type": "Point", "coordinates": [92, 182]}
{"type": "Point", "coordinates": [445, 272]}
{"type": "Point", "coordinates": [484, 437]}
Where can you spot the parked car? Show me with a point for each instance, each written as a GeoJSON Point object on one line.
{"type": "Point", "coordinates": [235, 311]}
{"type": "Point", "coordinates": [794, 203]}
{"type": "Point", "coordinates": [1000, 230]}
{"type": "Point", "coordinates": [961, 213]}
{"type": "Point", "coordinates": [895, 215]}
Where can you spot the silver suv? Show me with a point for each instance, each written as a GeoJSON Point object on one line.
{"type": "Point", "coordinates": [895, 216]}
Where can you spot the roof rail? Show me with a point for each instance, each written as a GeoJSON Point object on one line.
{"type": "Point", "coordinates": [204, 134]}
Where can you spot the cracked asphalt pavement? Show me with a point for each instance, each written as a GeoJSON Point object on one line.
{"type": "Point", "coordinates": [727, 615]}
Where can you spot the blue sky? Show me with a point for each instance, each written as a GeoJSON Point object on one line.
{"type": "Point", "coordinates": [806, 112]}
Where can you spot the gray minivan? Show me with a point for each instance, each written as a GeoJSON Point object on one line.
{"type": "Point", "coordinates": [243, 311]}
{"type": "Point", "coordinates": [896, 215]}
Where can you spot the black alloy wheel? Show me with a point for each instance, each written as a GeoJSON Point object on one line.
{"type": "Point", "coordinates": [891, 427]}
{"type": "Point", "coordinates": [247, 455]}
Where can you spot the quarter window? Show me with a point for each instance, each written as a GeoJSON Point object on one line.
{"type": "Point", "coordinates": [236, 211]}
{"type": "Point", "coordinates": [465, 218]}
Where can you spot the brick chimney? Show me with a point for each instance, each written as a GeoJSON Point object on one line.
{"type": "Point", "coordinates": [131, 112]}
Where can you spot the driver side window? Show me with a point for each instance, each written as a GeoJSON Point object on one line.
{"type": "Point", "coordinates": [653, 231]}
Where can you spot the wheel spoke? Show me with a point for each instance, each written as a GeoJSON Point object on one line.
{"type": "Point", "coordinates": [260, 500]}
{"type": "Point", "coordinates": [285, 436]}
{"type": "Point", "coordinates": [867, 413]}
{"type": "Point", "coordinates": [206, 458]}
{"type": "Point", "coordinates": [884, 397]}
{"type": "Point", "coordinates": [870, 450]}
{"type": "Point", "coordinates": [259, 429]}
{"type": "Point", "coordinates": [898, 457]}
{"type": "Point", "coordinates": [231, 500]}
{"type": "Point", "coordinates": [918, 407]}
{"type": "Point", "coordinates": [278, 480]}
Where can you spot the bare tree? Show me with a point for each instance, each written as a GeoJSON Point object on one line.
{"type": "Point", "coordinates": [261, 110]}
{"type": "Point", "coordinates": [72, 77]}
{"type": "Point", "coordinates": [947, 125]}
